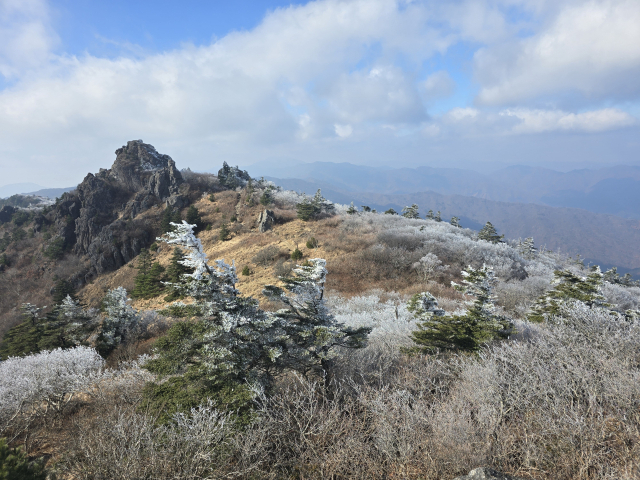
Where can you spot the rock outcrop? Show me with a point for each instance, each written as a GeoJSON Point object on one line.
{"type": "Point", "coordinates": [485, 473]}
{"type": "Point", "coordinates": [266, 219]}
{"type": "Point", "coordinates": [98, 218]}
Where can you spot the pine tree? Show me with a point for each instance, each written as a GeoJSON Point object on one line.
{"type": "Point", "coordinates": [311, 208]}
{"type": "Point", "coordinates": [15, 465]}
{"type": "Point", "coordinates": [61, 290]}
{"type": "Point", "coordinates": [153, 283]}
{"type": "Point", "coordinates": [366, 208]}
{"type": "Point", "coordinates": [391, 211]}
{"type": "Point", "coordinates": [468, 332]}
{"type": "Point", "coordinates": [174, 273]}
{"type": "Point", "coordinates": [231, 345]}
{"type": "Point", "coordinates": [411, 212]}
{"type": "Point", "coordinates": [193, 217]}
{"type": "Point", "coordinates": [352, 209]}
{"type": "Point", "coordinates": [430, 215]}
{"type": "Point", "coordinates": [224, 233]}
{"type": "Point", "coordinates": [169, 215]}
{"type": "Point", "coordinates": [569, 287]}
{"type": "Point", "coordinates": [140, 282]}
{"type": "Point", "coordinates": [490, 234]}
{"type": "Point", "coordinates": [438, 218]}
{"type": "Point", "coordinates": [455, 221]}
{"type": "Point", "coordinates": [527, 248]}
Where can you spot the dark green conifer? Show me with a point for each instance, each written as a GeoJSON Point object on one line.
{"type": "Point", "coordinates": [193, 217]}
{"type": "Point", "coordinates": [490, 234]}
{"type": "Point", "coordinates": [224, 234]}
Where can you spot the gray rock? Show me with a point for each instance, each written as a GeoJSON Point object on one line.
{"type": "Point", "coordinates": [266, 220]}
{"type": "Point", "coordinates": [177, 202]}
{"type": "Point", "coordinates": [91, 218]}
{"type": "Point", "coordinates": [486, 473]}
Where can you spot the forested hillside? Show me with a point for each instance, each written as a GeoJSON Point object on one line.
{"type": "Point", "coordinates": [160, 323]}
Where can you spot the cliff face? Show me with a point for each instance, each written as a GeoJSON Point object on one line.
{"type": "Point", "coordinates": [99, 218]}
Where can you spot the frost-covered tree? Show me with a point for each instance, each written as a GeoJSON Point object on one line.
{"type": "Point", "coordinates": [311, 208]}
{"type": "Point", "coordinates": [490, 234]}
{"type": "Point", "coordinates": [438, 218]}
{"type": "Point", "coordinates": [428, 266]}
{"type": "Point", "coordinates": [120, 322]}
{"type": "Point", "coordinates": [231, 344]}
{"type": "Point", "coordinates": [467, 332]}
{"type": "Point", "coordinates": [569, 288]}
{"type": "Point", "coordinates": [311, 330]}
{"type": "Point", "coordinates": [391, 211]}
{"type": "Point", "coordinates": [430, 215]}
{"type": "Point", "coordinates": [352, 209]}
{"type": "Point", "coordinates": [527, 248]}
{"type": "Point", "coordinates": [455, 221]}
{"type": "Point", "coordinates": [411, 212]}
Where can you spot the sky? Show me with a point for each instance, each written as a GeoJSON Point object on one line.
{"type": "Point", "coordinates": [477, 84]}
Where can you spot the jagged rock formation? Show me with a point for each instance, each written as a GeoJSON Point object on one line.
{"type": "Point", "coordinates": [485, 473]}
{"type": "Point", "coordinates": [266, 219]}
{"type": "Point", "coordinates": [98, 218]}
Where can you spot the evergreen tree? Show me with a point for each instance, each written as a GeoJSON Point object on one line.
{"type": "Point", "coordinates": [120, 323]}
{"type": "Point", "coordinates": [455, 221]}
{"type": "Point", "coordinates": [430, 215]}
{"type": "Point", "coordinates": [266, 198]}
{"type": "Point", "coordinates": [140, 282]}
{"type": "Point", "coordinates": [311, 208]}
{"type": "Point", "coordinates": [468, 332]}
{"type": "Point", "coordinates": [168, 216]}
{"type": "Point", "coordinates": [193, 217]}
{"type": "Point", "coordinates": [391, 211]}
{"type": "Point", "coordinates": [569, 287]}
{"type": "Point", "coordinates": [61, 290]}
{"type": "Point", "coordinates": [490, 234]}
{"type": "Point", "coordinates": [15, 465]}
{"type": "Point", "coordinates": [527, 248]}
{"type": "Point", "coordinates": [438, 218]}
{"type": "Point", "coordinates": [366, 208]}
{"type": "Point", "coordinates": [153, 283]}
{"type": "Point", "coordinates": [231, 344]}
{"type": "Point", "coordinates": [411, 212]}
{"type": "Point", "coordinates": [224, 233]}
{"type": "Point", "coordinates": [352, 210]}
{"type": "Point", "coordinates": [174, 273]}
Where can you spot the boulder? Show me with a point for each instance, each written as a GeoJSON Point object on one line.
{"type": "Point", "coordinates": [486, 473]}
{"type": "Point", "coordinates": [266, 220]}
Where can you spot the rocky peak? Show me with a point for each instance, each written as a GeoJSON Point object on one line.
{"type": "Point", "coordinates": [139, 167]}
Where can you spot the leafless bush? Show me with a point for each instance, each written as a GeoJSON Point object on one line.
{"type": "Point", "coordinates": [206, 182]}
{"type": "Point", "coordinates": [124, 444]}
{"type": "Point", "coordinates": [282, 268]}
{"type": "Point", "coordinates": [267, 255]}
{"type": "Point", "coordinates": [394, 239]}
{"type": "Point", "coordinates": [623, 298]}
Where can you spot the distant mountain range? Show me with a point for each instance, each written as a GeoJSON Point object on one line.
{"type": "Point", "coordinates": [613, 190]}
{"type": "Point", "coordinates": [7, 191]}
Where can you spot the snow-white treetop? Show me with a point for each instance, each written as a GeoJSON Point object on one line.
{"type": "Point", "coordinates": [196, 258]}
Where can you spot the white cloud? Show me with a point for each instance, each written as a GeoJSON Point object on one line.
{"type": "Point", "coordinates": [537, 121]}
{"type": "Point", "coordinates": [310, 81]}
{"type": "Point", "coordinates": [343, 131]}
{"type": "Point", "coordinates": [591, 49]}
{"type": "Point", "coordinates": [26, 38]}
{"type": "Point", "coordinates": [439, 85]}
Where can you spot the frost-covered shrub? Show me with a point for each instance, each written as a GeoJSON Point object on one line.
{"type": "Point", "coordinates": [126, 444]}
{"type": "Point", "coordinates": [38, 384]}
{"type": "Point", "coordinates": [428, 266]}
{"type": "Point", "coordinates": [622, 298]}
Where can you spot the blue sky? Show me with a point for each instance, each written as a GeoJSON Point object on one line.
{"type": "Point", "coordinates": [476, 84]}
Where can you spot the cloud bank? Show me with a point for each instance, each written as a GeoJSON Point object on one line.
{"type": "Point", "coordinates": [335, 80]}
